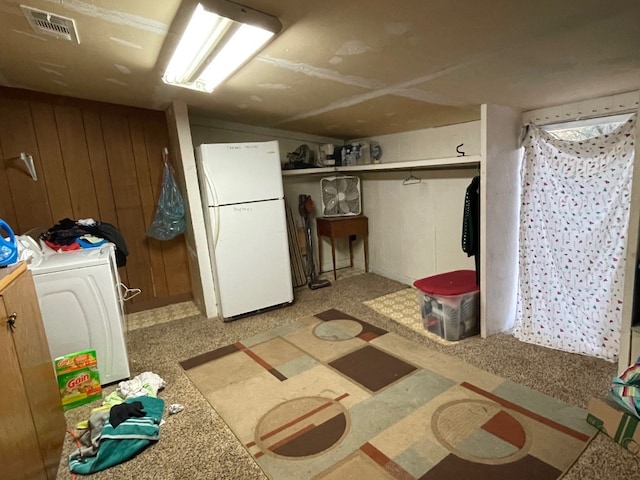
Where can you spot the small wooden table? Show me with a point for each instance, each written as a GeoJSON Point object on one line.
{"type": "Point", "coordinates": [335, 227]}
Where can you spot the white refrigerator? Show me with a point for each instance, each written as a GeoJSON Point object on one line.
{"type": "Point", "coordinates": [243, 198]}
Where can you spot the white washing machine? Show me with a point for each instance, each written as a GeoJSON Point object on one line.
{"type": "Point", "coordinates": [81, 303]}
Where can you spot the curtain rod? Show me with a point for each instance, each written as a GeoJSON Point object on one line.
{"type": "Point", "coordinates": [547, 122]}
{"type": "Point", "coordinates": [619, 104]}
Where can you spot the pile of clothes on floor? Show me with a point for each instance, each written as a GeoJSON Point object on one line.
{"type": "Point", "coordinates": [127, 422]}
{"type": "Point", "coordinates": [70, 234]}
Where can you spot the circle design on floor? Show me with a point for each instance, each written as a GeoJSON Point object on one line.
{"type": "Point", "coordinates": [481, 431]}
{"type": "Point", "coordinates": [337, 330]}
{"type": "Point", "coordinates": [302, 427]}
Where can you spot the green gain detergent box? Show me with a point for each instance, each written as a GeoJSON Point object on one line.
{"type": "Point", "coordinates": [78, 378]}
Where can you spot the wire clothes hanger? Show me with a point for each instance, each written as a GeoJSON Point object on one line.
{"type": "Point", "coordinates": [129, 293]}
{"type": "Point", "coordinates": [411, 179]}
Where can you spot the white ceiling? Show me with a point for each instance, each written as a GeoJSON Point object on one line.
{"type": "Point", "coordinates": [342, 68]}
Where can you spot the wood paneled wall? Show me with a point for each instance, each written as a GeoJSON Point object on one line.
{"type": "Point", "coordinates": [93, 160]}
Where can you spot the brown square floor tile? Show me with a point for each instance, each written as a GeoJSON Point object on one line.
{"type": "Point", "coordinates": [372, 368]}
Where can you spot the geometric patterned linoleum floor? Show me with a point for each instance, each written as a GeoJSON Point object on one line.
{"type": "Point", "coordinates": [177, 311]}
{"type": "Point", "coordinates": [403, 307]}
{"type": "Point", "coordinates": [155, 316]}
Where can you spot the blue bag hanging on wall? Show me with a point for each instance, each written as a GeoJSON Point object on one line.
{"type": "Point", "coordinates": [8, 245]}
{"type": "Point", "coordinates": [169, 220]}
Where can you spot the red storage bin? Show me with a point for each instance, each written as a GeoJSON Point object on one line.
{"type": "Point", "coordinates": [449, 304]}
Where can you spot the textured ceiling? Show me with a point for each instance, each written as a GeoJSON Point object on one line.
{"type": "Point", "coordinates": [339, 68]}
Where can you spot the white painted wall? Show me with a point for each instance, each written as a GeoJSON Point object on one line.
{"type": "Point", "coordinates": [499, 217]}
{"type": "Point", "coordinates": [439, 142]}
{"type": "Point", "coordinates": [207, 130]}
{"type": "Point", "coordinates": [415, 230]}
{"type": "Point", "coordinates": [196, 237]}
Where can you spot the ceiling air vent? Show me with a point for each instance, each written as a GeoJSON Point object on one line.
{"type": "Point", "coordinates": [51, 24]}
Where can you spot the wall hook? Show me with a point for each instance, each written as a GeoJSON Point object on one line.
{"type": "Point", "coordinates": [28, 161]}
{"type": "Point", "coordinates": [460, 152]}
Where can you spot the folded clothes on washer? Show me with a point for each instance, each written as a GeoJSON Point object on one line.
{"type": "Point", "coordinates": [66, 235]}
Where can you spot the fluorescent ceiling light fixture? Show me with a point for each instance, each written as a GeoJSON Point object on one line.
{"type": "Point", "coordinates": [220, 37]}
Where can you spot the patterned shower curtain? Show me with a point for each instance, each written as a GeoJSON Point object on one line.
{"type": "Point", "coordinates": [574, 218]}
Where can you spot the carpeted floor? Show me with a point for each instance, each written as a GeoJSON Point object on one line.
{"type": "Point", "coordinates": [197, 444]}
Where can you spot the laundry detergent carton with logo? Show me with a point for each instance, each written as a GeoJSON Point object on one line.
{"type": "Point", "coordinates": [78, 378]}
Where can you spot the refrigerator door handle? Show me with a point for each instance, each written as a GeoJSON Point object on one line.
{"type": "Point", "coordinates": [216, 228]}
{"type": "Point", "coordinates": [213, 197]}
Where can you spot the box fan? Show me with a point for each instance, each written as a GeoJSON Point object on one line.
{"type": "Point", "coordinates": [340, 196]}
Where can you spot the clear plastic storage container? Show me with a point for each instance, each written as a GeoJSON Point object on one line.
{"type": "Point", "coordinates": [449, 304]}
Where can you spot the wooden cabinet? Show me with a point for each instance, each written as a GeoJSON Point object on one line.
{"type": "Point", "coordinates": [32, 423]}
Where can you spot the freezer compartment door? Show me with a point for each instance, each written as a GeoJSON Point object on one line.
{"type": "Point", "coordinates": [251, 258]}
{"type": "Point", "coordinates": [240, 172]}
